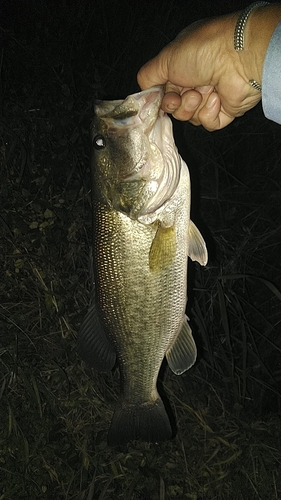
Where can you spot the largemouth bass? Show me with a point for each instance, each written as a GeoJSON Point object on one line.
{"type": "Point", "coordinates": [142, 238]}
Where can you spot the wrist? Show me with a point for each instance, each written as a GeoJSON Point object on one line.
{"type": "Point", "coordinates": [258, 32]}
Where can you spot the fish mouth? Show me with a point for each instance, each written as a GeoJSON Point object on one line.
{"type": "Point", "coordinates": [160, 168]}
{"type": "Point", "coordinates": [141, 108]}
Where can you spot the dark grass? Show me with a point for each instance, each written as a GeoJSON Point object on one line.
{"type": "Point", "coordinates": [56, 58]}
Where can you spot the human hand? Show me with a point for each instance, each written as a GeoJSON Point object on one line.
{"type": "Point", "coordinates": [206, 80]}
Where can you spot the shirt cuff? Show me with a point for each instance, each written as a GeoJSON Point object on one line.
{"type": "Point", "coordinates": [271, 78]}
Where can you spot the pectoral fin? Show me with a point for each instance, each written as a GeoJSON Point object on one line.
{"type": "Point", "coordinates": [163, 249]}
{"type": "Point", "coordinates": [92, 343]}
{"type": "Point", "coordinates": [197, 246]}
{"type": "Point", "coordinates": [182, 354]}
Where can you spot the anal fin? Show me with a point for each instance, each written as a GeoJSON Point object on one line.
{"type": "Point", "coordinates": [182, 354]}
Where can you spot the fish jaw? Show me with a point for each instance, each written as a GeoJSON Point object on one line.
{"type": "Point", "coordinates": [140, 109]}
{"type": "Point", "coordinates": [138, 170]}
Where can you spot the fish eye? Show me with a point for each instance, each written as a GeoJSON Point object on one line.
{"type": "Point", "coordinates": [99, 142]}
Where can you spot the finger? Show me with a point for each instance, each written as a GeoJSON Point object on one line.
{"type": "Point", "coordinates": [211, 115]}
{"type": "Point", "coordinates": [190, 102]}
{"type": "Point", "coordinates": [170, 102]}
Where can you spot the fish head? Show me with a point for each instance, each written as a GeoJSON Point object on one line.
{"type": "Point", "coordinates": [135, 163]}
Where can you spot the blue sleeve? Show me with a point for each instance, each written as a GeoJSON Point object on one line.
{"type": "Point", "coordinates": [271, 78]}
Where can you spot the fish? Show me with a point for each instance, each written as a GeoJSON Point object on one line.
{"type": "Point", "coordinates": [142, 238]}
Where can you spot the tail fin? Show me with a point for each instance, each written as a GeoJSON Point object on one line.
{"type": "Point", "coordinates": [147, 422]}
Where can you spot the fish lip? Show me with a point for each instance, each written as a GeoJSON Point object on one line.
{"type": "Point", "coordinates": [152, 92]}
{"type": "Point", "coordinates": [141, 108]}
{"type": "Point", "coordinates": [153, 95]}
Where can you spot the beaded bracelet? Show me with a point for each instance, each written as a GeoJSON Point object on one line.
{"type": "Point", "coordinates": [239, 33]}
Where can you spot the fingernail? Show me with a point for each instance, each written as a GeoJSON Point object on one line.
{"type": "Point", "coordinates": [211, 101]}
{"type": "Point", "coordinates": [191, 103]}
{"type": "Point", "coordinates": [171, 107]}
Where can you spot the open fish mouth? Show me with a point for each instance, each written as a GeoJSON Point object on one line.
{"type": "Point", "coordinates": [139, 120]}
{"type": "Point", "coordinates": [141, 108]}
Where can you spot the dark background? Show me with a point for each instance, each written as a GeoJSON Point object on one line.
{"type": "Point", "coordinates": [56, 58]}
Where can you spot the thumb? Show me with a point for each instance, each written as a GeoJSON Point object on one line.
{"type": "Point", "coordinates": [153, 73]}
